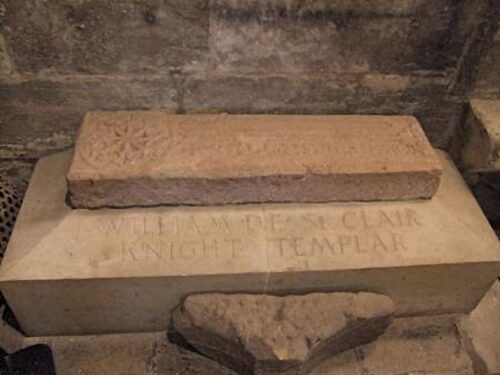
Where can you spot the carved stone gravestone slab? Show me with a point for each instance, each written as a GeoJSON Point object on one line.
{"type": "Point", "coordinates": [151, 158]}
{"type": "Point", "coordinates": [77, 271]}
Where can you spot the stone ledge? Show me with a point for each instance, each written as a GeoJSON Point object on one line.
{"type": "Point", "coordinates": [481, 149]}
{"type": "Point", "coordinates": [124, 270]}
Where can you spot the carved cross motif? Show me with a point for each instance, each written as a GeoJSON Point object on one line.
{"type": "Point", "coordinates": [126, 142]}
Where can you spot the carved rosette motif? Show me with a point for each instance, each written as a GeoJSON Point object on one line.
{"type": "Point", "coordinates": [131, 142]}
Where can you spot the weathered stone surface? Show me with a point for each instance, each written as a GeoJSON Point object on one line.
{"type": "Point", "coordinates": [229, 56]}
{"type": "Point", "coordinates": [478, 24]}
{"type": "Point", "coordinates": [318, 36]}
{"type": "Point", "coordinates": [440, 118]}
{"type": "Point", "coordinates": [125, 354]}
{"type": "Point", "coordinates": [428, 345]}
{"type": "Point", "coordinates": [150, 158]}
{"type": "Point", "coordinates": [298, 7]}
{"type": "Point", "coordinates": [5, 63]}
{"type": "Point", "coordinates": [234, 56]}
{"type": "Point", "coordinates": [486, 189]}
{"type": "Point", "coordinates": [156, 36]}
{"type": "Point", "coordinates": [42, 116]}
{"type": "Point", "coordinates": [487, 85]}
{"type": "Point", "coordinates": [350, 94]}
{"type": "Point", "coordinates": [106, 37]}
{"type": "Point", "coordinates": [124, 270]}
{"type": "Point", "coordinates": [481, 148]}
{"type": "Point", "coordinates": [356, 93]}
{"type": "Point", "coordinates": [481, 332]}
{"type": "Point", "coordinates": [244, 331]}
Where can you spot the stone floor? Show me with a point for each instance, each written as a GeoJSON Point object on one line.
{"type": "Point", "coordinates": [423, 345]}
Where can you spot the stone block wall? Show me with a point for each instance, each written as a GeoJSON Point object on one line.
{"type": "Point", "coordinates": [486, 184]}
{"type": "Point", "coordinates": [487, 85]}
{"type": "Point", "coordinates": [61, 58]}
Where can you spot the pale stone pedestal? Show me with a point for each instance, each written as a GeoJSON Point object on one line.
{"type": "Point", "coordinates": [480, 331]}
{"type": "Point", "coordinates": [123, 270]}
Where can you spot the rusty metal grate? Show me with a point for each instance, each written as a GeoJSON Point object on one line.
{"type": "Point", "coordinates": [9, 208]}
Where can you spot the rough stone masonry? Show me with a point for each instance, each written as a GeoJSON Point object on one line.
{"type": "Point", "coordinates": [412, 57]}
{"type": "Point", "coordinates": [150, 158]}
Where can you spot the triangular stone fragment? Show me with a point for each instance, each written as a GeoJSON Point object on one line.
{"type": "Point", "coordinates": [245, 331]}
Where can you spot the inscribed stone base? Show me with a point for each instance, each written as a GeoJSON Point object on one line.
{"type": "Point", "coordinates": [123, 270]}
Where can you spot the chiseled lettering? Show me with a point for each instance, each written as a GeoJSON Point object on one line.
{"type": "Point", "coordinates": [298, 246]}
{"type": "Point", "coordinates": [192, 225]}
{"type": "Point", "coordinates": [320, 244]}
{"type": "Point", "coordinates": [279, 241]}
{"type": "Point", "coordinates": [112, 226]}
{"type": "Point", "coordinates": [359, 247]}
{"type": "Point", "coordinates": [276, 222]}
{"type": "Point", "coordinates": [141, 225]}
{"type": "Point", "coordinates": [384, 219]}
{"type": "Point", "coordinates": [349, 219]}
{"type": "Point", "coordinates": [164, 227]}
{"type": "Point", "coordinates": [211, 246]}
{"type": "Point", "coordinates": [220, 224]}
{"type": "Point", "coordinates": [316, 221]}
{"type": "Point", "coordinates": [398, 242]}
{"type": "Point", "coordinates": [253, 222]}
{"type": "Point", "coordinates": [344, 241]}
{"type": "Point", "coordinates": [187, 249]}
{"type": "Point", "coordinates": [236, 246]}
{"type": "Point", "coordinates": [412, 217]}
{"type": "Point", "coordinates": [129, 253]}
{"type": "Point", "coordinates": [294, 245]}
{"type": "Point", "coordinates": [399, 218]}
{"type": "Point", "coordinates": [378, 243]}
{"type": "Point", "coordinates": [366, 222]}
{"type": "Point", "coordinates": [170, 247]}
{"type": "Point", "coordinates": [151, 251]}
